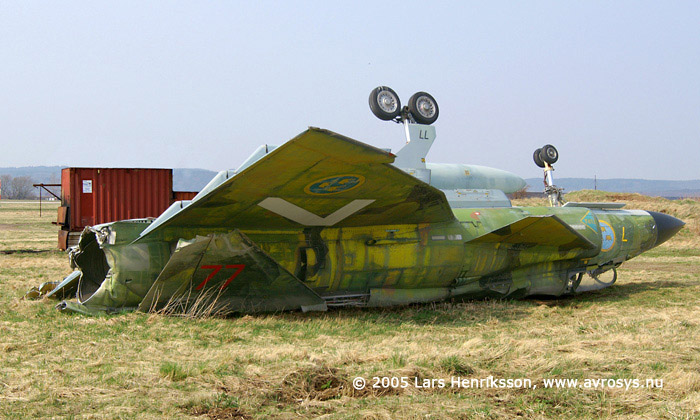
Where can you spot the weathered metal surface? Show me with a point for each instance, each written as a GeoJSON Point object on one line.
{"type": "Point", "coordinates": [326, 217]}
{"type": "Point", "coordinates": [316, 179]}
{"type": "Point", "coordinates": [480, 198]}
{"type": "Point", "coordinates": [443, 176]}
{"type": "Point", "coordinates": [226, 273]}
{"type": "Point", "coordinates": [449, 176]}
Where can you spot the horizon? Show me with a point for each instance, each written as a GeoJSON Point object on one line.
{"type": "Point", "coordinates": [612, 86]}
{"type": "Point", "coordinates": [215, 172]}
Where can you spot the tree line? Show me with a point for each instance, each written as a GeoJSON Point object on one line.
{"type": "Point", "coordinates": [17, 188]}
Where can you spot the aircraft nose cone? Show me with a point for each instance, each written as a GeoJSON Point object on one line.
{"type": "Point", "coordinates": [666, 226]}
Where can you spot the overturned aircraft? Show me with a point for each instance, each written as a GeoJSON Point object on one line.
{"type": "Point", "coordinates": [326, 221]}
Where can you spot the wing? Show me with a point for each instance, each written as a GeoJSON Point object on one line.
{"type": "Point", "coordinates": [319, 178]}
{"type": "Point", "coordinates": [538, 230]}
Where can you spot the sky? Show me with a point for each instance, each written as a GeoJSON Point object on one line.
{"type": "Point", "coordinates": [615, 86]}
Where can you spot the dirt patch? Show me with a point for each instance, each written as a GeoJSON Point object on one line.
{"type": "Point", "coordinates": [323, 383]}
{"type": "Point", "coordinates": [7, 227]}
{"type": "Point", "coordinates": [313, 383]}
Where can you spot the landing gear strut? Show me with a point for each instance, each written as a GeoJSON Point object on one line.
{"type": "Point", "coordinates": [545, 157]}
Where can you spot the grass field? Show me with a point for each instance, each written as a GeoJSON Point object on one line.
{"type": "Point", "coordinates": [293, 365]}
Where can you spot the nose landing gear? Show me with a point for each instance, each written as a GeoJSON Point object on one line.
{"type": "Point", "coordinates": [544, 158]}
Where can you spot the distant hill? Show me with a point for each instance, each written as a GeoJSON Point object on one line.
{"type": "Point", "coordinates": [189, 179]}
{"type": "Point", "coordinates": [40, 174]}
{"type": "Point", "coordinates": [660, 188]}
{"type": "Point", "coordinates": [184, 179]}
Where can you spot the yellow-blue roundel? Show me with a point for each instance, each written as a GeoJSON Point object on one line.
{"type": "Point", "coordinates": [608, 236]}
{"type": "Point", "coordinates": [334, 184]}
{"type": "Point", "coordinates": [589, 220]}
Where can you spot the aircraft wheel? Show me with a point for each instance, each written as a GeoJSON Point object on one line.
{"type": "Point", "coordinates": [384, 103]}
{"type": "Point", "coordinates": [604, 280]}
{"type": "Point", "coordinates": [574, 282]}
{"type": "Point", "coordinates": [549, 154]}
{"type": "Point", "coordinates": [538, 160]}
{"type": "Point", "coordinates": [424, 108]}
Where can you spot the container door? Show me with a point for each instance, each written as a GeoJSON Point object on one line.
{"type": "Point", "coordinates": [87, 208]}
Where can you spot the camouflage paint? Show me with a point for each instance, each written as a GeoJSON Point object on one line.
{"type": "Point", "coordinates": [381, 265]}
{"type": "Point", "coordinates": [327, 221]}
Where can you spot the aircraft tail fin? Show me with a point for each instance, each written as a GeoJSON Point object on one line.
{"type": "Point", "coordinates": [220, 274]}
{"type": "Point", "coordinates": [413, 154]}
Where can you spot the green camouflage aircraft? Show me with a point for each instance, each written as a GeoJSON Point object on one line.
{"type": "Point", "coordinates": [326, 221]}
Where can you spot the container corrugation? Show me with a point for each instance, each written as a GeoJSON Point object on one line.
{"type": "Point", "coordinates": [100, 195]}
{"type": "Point", "coordinates": [184, 195]}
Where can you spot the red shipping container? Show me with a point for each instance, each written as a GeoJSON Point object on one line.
{"type": "Point", "coordinates": [91, 196]}
{"type": "Point", "coordinates": [184, 195]}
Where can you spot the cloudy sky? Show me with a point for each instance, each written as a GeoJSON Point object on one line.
{"type": "Point", "coordinates": [614, 85]}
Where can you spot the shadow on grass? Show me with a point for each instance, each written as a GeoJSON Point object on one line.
{"type": "Point", "coordinates": [479, 311]}
{"type": "Point", "coordinates": [616, 293]}
{"type": "Point", "coordinates": [460, 313]}
{"type": "Point", "coordinates": [439, 313]}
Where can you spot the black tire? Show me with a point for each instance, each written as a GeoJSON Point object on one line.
{"type": "Point", "coordinates": [537, 159]}
{"type": "Point", "coordinates": [549, 154]}
{"type": "Point", "coordinates": [596, 276]}
{"type": "Point", "coordinates": [423, 108]}
{"type": "Point", "coordinates": [384, 103]}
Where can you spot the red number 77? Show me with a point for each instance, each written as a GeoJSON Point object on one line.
{"type": "Point", "coordinates": [215, 270]}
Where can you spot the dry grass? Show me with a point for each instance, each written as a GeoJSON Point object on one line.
{"type": "Point", "coordinates": [21, 228]}
{"type": "Point", "coordinates": [293, 365]}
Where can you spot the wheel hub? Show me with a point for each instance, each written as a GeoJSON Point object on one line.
{"type": "Point", "coordinates": [387, 102]}
{"type": "Point", "coordinates": [426, 107]}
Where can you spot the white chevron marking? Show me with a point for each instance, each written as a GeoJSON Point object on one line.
{"type": "Point", "coordinates": [296, 214]}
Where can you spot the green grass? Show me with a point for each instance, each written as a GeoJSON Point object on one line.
{"type": "Point", "coordinates": [294, 365]}
{"type": "Point", "coordinates": [454, 365]}
{"type": "Point", "coordinates": [173, 371]}
{"type": "Point", "coordinates": [673, 252]}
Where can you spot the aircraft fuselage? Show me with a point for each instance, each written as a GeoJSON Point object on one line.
{"type": "Point", "coordinates": [356, 261]}
{"type": "Point", "coordinates": [499, 252]}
